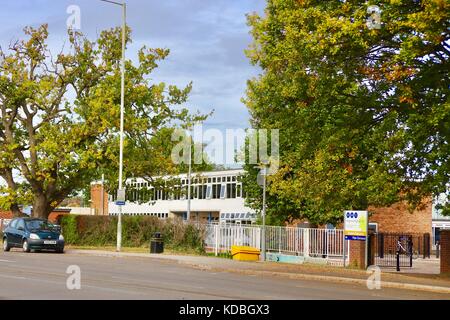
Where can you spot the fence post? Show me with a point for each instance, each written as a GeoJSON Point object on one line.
{"type": "Point", "coordinates": [381, 245]}
{"type": "Point", "coordinates": [410, 250]}
{"type": "Point", "coordinates": [306, 242]}
{"type": "Point", "coordinates": [216, 247]}
{"type": "Point", "coordinates": [426, 245]}
{"type": "Point", "coordinates": [279, 240]}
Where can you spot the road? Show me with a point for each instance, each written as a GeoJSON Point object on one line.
{"type": "Point", "coordinates": [43, 276]}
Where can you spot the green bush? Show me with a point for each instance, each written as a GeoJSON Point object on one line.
{"type": "Point", "coordinates": [137, 231]}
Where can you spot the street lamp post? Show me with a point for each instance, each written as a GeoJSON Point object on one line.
{"type": "Point", "coordinates": [263, 184]}
{"type": "Point", "coordinates": [263, 245]}
{"type": "Point", "coordinates": [122, 112]}
{"type": "Point", "coordinates": [188, 214]}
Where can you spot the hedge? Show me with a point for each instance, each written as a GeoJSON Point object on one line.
{"type": "Point", "coordinates": [136, 232]}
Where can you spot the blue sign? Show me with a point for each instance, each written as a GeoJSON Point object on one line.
{"type": "Point", "coordinates": [358, 238]}
{"type": "Point", "coordinates": [353, 215]}
{"type": "Point", "coordinates": [120, 203]}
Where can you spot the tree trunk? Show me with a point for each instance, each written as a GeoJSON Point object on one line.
{"type": "Point", "coordinates": [41, 207]}
{"type": "Point", "coordinates": [16, 210]}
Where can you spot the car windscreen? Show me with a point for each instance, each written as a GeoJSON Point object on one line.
{"type": "Point", "coordinates": [40, 225]}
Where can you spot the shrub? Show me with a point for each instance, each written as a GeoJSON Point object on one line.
{"type": "Point", "coordinates": [137, 231]}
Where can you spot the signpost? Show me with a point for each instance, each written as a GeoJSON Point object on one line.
{"type": "Point", "coordinates": [120, 197]}
{"type": "Point", "coordinates": [356, 227]}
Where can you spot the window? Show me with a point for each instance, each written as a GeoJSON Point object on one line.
{"type": "Point", "coordinates": [228, 179]}
{"type": "Point", "coordinates": [20, 224]}
{"type": "Point", "coordinates": [223, 191]}
{"type": "Point", "coordinates": [209, 192]}
{"type": "Point", "coordinates": [13, 224]}
{"type": "Point", "coordinates": [373, 227]}
{"type": "Point", "coordinates": [38, 225]}
{"type": "Point", "coordinates": [215, 191]}
{"type": "Point", "coordinates": [239, 191]}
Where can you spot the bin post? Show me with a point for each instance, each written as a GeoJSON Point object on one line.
{"type": "Point", "coordinates": [156, 243]}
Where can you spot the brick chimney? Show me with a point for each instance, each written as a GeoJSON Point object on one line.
{"type": "Point", "coordinates": [98, 194]}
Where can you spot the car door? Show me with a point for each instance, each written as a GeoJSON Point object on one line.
{"type": "Point", "coordinates": [19, 232]}
{"type": "Point", "coordinates": [10, 232]}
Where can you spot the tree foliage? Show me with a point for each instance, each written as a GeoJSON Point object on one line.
{"type": "Point", "coordinates": [60, 116]}
{"type": "Point", "coordinates": [364, 113]}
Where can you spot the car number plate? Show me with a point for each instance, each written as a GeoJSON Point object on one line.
{"type": "Point", "coordinates": [49, 242]}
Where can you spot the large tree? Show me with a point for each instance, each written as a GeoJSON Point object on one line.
{"type": "Point", "coordinates": [364, 113]}
{"type": "Point", "coordinates": [60, 115]}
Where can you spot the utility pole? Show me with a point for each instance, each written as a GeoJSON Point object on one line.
{"type": "Point", "coordinates": [189, 181]}
{"type": "Point", "coordinates": [120, 192]}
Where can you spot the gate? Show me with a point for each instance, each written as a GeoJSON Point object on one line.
{"type": "Point", "coordinates": [396, 249]}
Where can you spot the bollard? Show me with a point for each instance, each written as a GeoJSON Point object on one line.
{"type": "Point", "coordinates": [398, 260]}
{"type": "Point", "coordinates": [410, 251]}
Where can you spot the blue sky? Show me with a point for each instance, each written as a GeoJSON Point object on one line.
{"type": "Point", "coordinates": [207, 39]}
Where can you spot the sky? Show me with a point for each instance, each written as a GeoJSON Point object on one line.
{"type": "Point", "coordinates": [207, 39]}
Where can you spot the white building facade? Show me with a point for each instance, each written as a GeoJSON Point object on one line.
{"type": "Point", "coordinates": [215, 197]}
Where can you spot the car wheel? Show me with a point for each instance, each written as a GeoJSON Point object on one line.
{"type": "Point", "coordinates": [6, 246]}
{"type": "Point", "coordinates": [60, 250]}
{"type": "Point", "coordinates": [25, 246]}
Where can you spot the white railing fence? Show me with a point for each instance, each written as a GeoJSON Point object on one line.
{"type": "Point", "coordinates": [4, 223]}
{"type": "Point", "coordinates": [307, 242]}
{"type": "Point", "coordinates": [220, 238]}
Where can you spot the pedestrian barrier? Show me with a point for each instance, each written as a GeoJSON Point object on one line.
{"type": "Point", "coordinates": [314, 243]}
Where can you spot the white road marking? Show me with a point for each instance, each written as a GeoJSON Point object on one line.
{"type": "Point", "coordinates": [7, 261]}
{"type": "Point", "coordinates": [12, 277]}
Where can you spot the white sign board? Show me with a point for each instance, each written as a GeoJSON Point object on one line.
{"type": "Point", "coordinates": [355, 225]}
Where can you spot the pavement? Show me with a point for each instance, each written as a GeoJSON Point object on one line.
{"type": "Point", "coordinates": [421, 277]}
{"type": "Point", "coordinates": [109, 275]}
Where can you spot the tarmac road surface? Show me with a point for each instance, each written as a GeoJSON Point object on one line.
{"type": "Point", "coordinates": [44, 276]}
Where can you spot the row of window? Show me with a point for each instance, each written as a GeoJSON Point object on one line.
{"type": "Point", "coordinates": [230, 190]}
{"type": "Point", "coordinates": [194, 180]}
{"type": "Point", "coordinates": [235, 216]}
{"type": "Point", "coordinates": [157, 215]}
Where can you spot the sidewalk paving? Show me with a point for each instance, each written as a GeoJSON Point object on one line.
{"type": "Point", "coordinates": [424, 282]}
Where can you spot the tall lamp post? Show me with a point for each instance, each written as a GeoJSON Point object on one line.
{"type": "Point", "coordinates": [120, 192]}
{"type": "Point", "coordinates": [263, 175]}
{"type": "Point", "coordinates": [188, 214]}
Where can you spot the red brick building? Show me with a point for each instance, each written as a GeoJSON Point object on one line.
{"type": "Point", "coordinates": [397, 218]}
{"type": "Point", "coordinates": [6, 215]}
{"type": "Point", "coordinates": [99, 195]}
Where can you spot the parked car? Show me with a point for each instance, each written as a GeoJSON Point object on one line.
{"type": "Point", "coordinates": [33, 234]}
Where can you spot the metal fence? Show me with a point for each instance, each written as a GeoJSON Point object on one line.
{"type": "Point", "coordinates": [220, 238]}
{"type": "Point", "coordinates": [4, 223]}
{"type": "Point", "coordinates": [307, 242]}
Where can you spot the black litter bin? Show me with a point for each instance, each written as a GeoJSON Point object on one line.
{"type": "Point", "coordinates": [156, 243]}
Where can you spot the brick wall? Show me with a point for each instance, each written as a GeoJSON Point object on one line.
{"type": "Point", "coordinates": [445, 251]}
{"type": "Point", "coordinates": [54, 217]}
{"type": "Point", "coordinates": [96, 199]}
{"type": "Point", "coordinates": [397, 218]}
{"type": "Point", "coordinates": [357, 254]}
{"type": "Point", "coordinates": [6, 215]}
